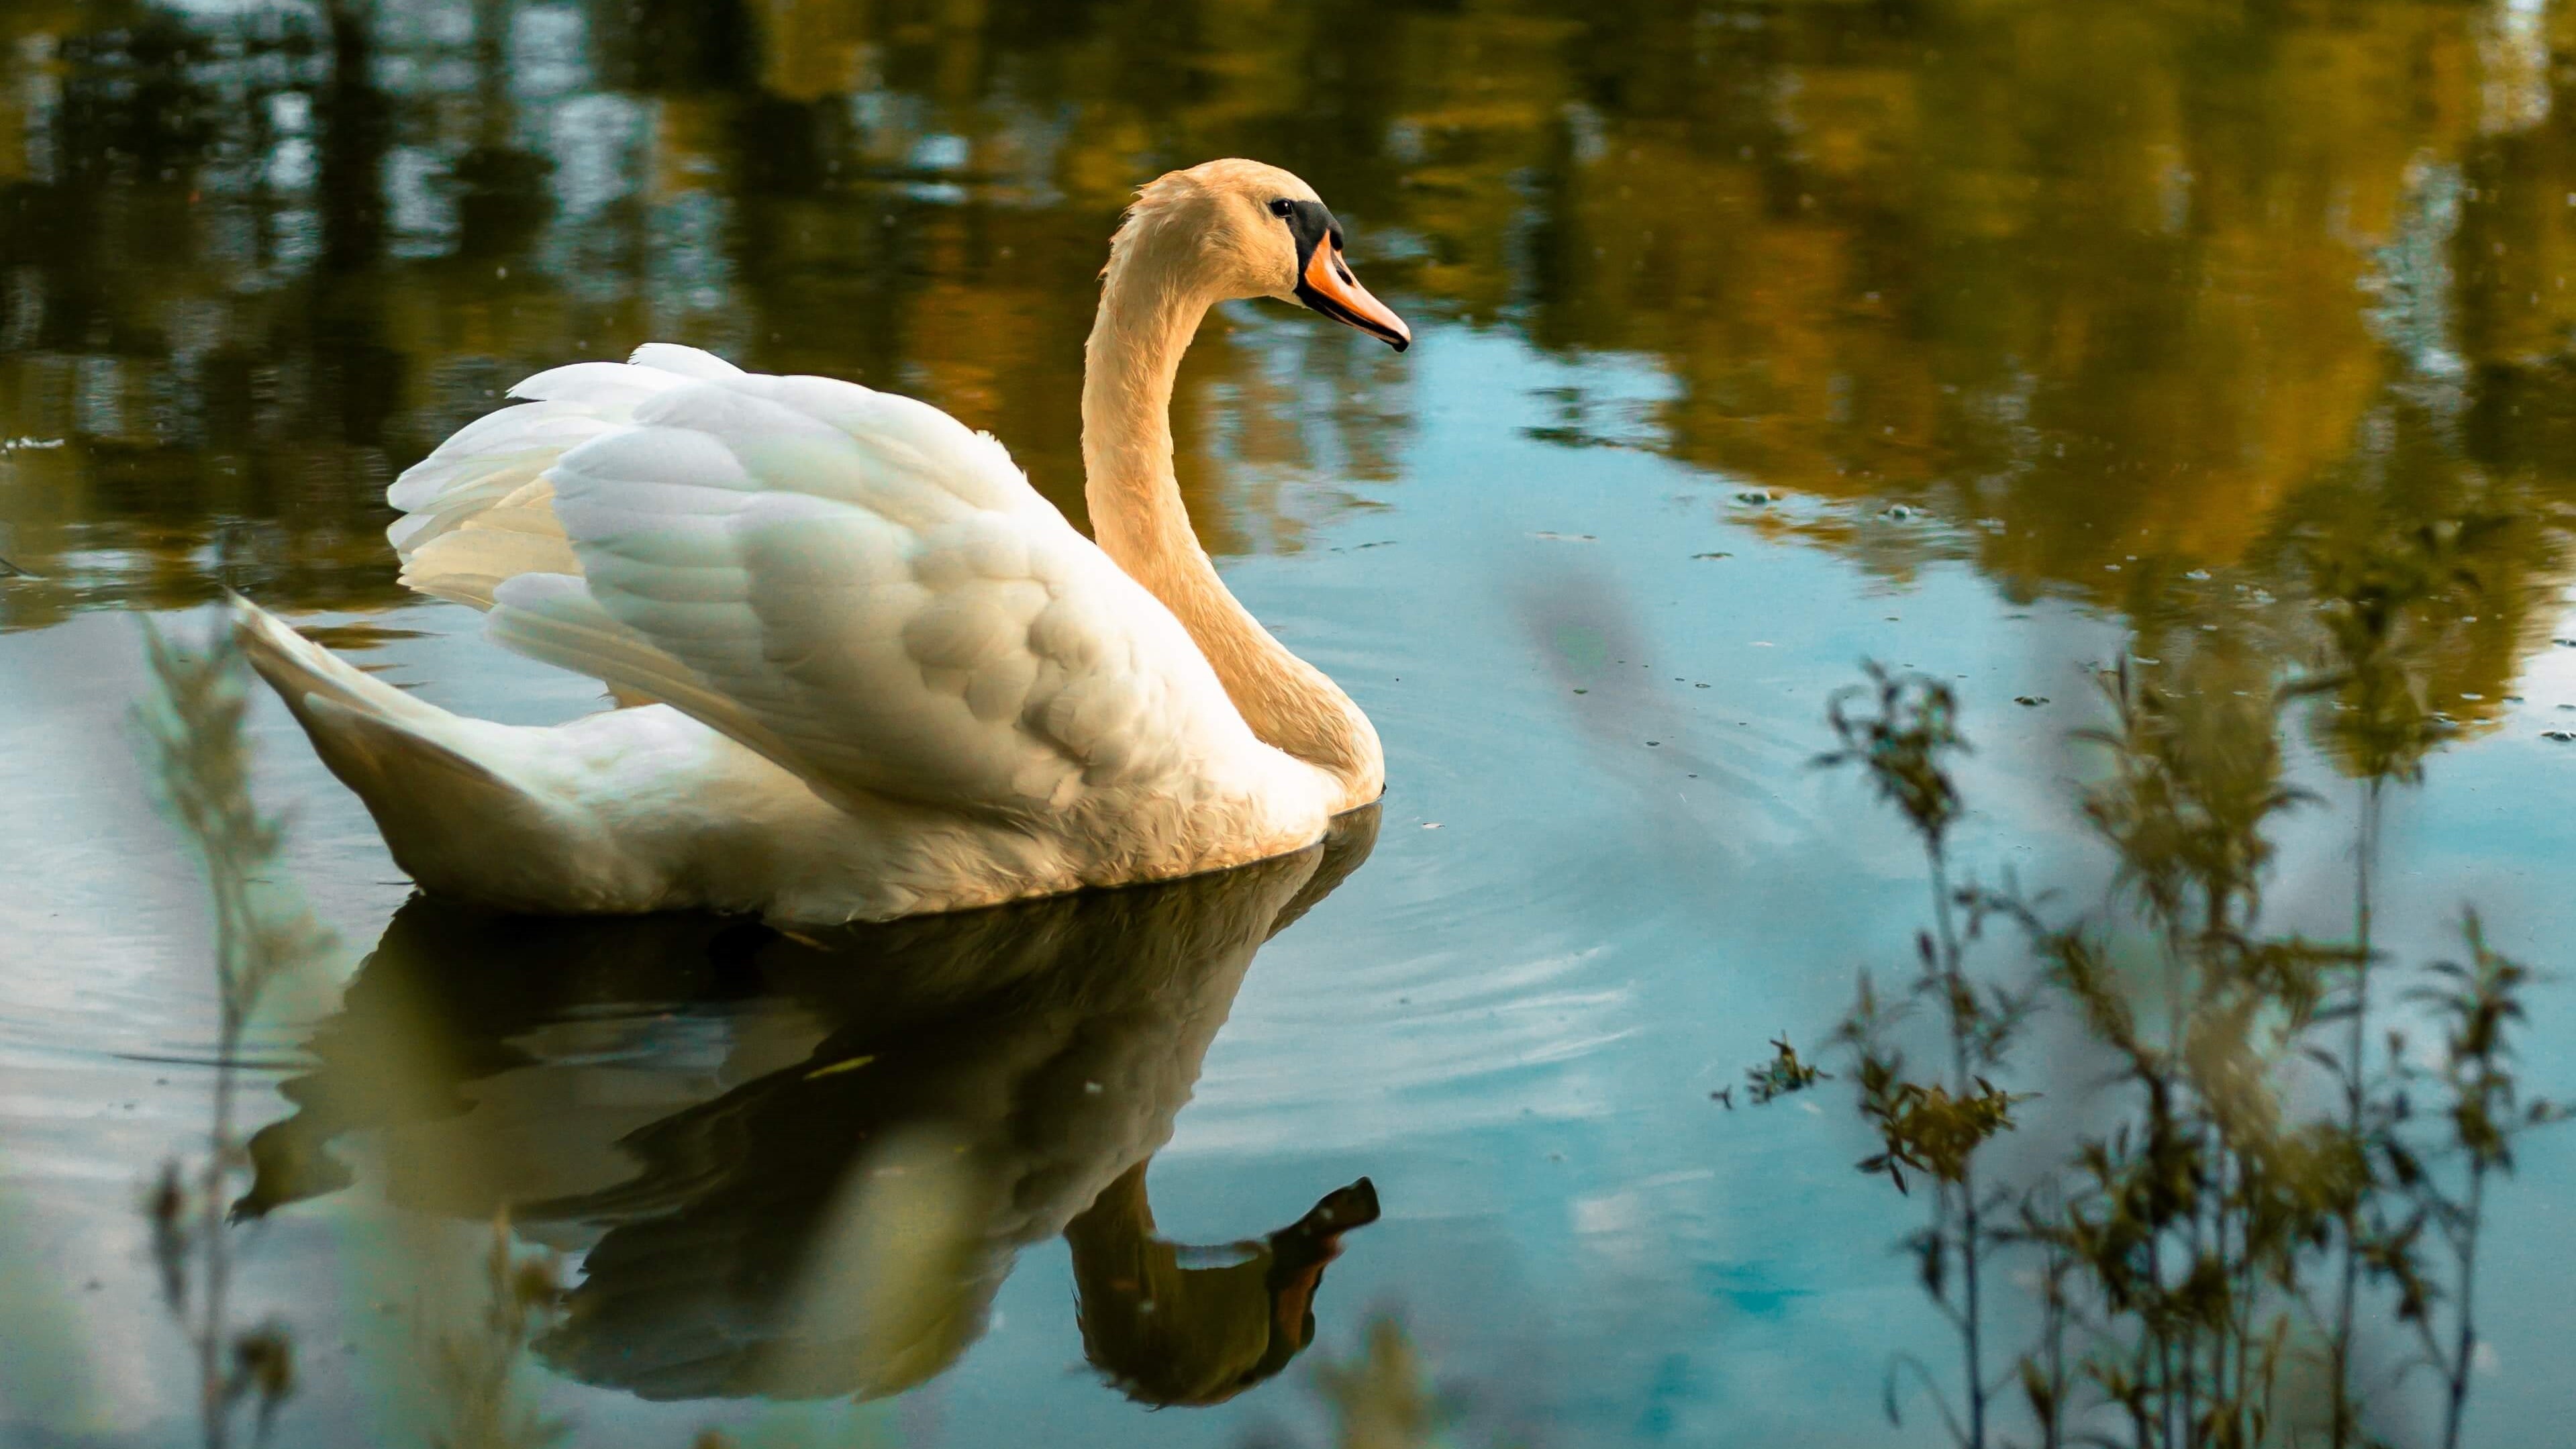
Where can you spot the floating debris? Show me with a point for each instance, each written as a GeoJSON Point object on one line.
{"type": "Point", "coordinates": [2561, 736]}
{"type": "Point", "coordinates": [2032, 701]}
{"type": "Point", "coordinates": [9, 570]}
{"type": "Point", "coordinates": [2198, 576]}
{"type": "Point", "coordinates": [1756, 496]}
{"type": "Point", "coordinates": [1712, 555]}
{"type": "Point", "coordinates": [28, 445]}
{"type": "Point", "coordinates": [1898, 512]}
{"type": "Point", "coordinates": [353, 638]}
{"type": "Point", "coordinates": [1566, 537]}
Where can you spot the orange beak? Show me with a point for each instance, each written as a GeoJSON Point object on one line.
{"type": "Point", "coordinates": [1328, 286]}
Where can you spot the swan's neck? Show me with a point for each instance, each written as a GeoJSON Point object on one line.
{"type": "Point", "coordinates": [1147, 317]}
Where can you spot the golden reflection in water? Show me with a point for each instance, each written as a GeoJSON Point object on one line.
{"type": "Point", "coordinates": [2120, 294]}
{"type": "Point", "coordinates": [809, 1177]}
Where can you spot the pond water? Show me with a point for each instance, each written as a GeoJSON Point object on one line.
{"type": "Point", "coordinates": [1997, 341]}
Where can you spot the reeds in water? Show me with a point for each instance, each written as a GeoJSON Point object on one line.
{"type": "Point", "coordinates": [200, 763]}
{"type": "Point", "coordinates": [2201, 1253]}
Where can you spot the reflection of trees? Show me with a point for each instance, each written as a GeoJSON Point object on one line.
{"type": "Point", "coordinates": [258, 262]}
{"type": "Point", "coordinates": [2128, 292]}
{"type": "Point", "coordinates": [2157, 281]}
{"type": "Point", "coordinates": [1923, 256]}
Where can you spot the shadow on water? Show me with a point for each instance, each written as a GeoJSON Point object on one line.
{"type": "Point", "coordinates": [801, 1166]}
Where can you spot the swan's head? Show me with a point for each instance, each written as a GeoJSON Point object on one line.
{"type": "Point", "coordinates": [1242, 229]}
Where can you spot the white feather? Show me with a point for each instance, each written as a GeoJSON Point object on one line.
{"type": "Point", "coordinates": [862, 579]}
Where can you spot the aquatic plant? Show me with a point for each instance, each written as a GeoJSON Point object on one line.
{"type": "Point", "coordinates": [2388, 606]}
{"type": "Point", "coordinates": [2477, 1099]}
{"type": "Point", "coordinates": [1381, 1396]}
{"type": "Point", "coordinates": [2198, 1253]}
{"type": "Point", "coordinates": [2178, 1240]}
{"type": "Point", "coordinates": [476, 1371]}
{"type": "Point", "coordinates": [1935, 1127]}
{"type": "Point", "coordinates": [193, 732]}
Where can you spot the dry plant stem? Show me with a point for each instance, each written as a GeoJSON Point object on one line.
{"type": "Point", "coordinates": [214, 1405]}
{"type": "Point", "coordinates": [475, 1371]}
{"type": "Point", "coordinates": [2485, 1118]}
{"type": "Point", "coordinates": [2346, 1420]}
{"type": "Point", "coordinates": [231, 893]}
{"type": "Point", "coordinates": [2243, 1325]}
{"type": "Point", "coordinates": [2464, 1250]}
{"type": "Point", "coordinates": [2053, 1338]}
{"type": "Point", "coordinates": [202, 766]}
{"type": "Point", "coordinates": [1933, 1129]}
{"type": "Point", "coordinates": [1958, 1002]}
{"type": "Point", "coordinates": [2174, 1403]}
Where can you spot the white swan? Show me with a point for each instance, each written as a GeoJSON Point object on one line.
{"type": "Point", "coordinates": [891, 678]}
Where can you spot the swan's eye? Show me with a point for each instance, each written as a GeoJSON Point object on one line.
{"type": "Point", "coordinates": [1282, 207]}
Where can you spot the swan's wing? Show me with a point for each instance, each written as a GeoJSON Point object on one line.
{"type": "Point", "coordinates": [479, 509]}
{"type": "Point", "coordinates": [857, 586]}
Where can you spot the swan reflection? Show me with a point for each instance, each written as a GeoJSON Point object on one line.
{"type": "Point", "coordinates": [809, 1171]}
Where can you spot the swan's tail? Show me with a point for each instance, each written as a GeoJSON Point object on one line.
{"type": "Point", "coordinates": [442, 789]}
{"type": "Point", "coordinates": [305, 674]}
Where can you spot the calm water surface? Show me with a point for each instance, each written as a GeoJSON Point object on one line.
{"type": "Point", "coordinates": [1995, 340]}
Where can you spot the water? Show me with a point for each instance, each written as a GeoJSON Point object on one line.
{"type": "Point", "coordinates": [1992, 341]}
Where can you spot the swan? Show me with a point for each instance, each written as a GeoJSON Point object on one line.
{"type": "Point", "coordinates": [872, 673]}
